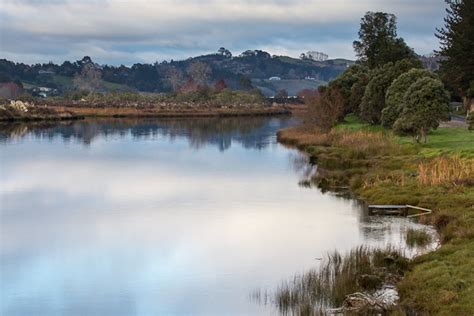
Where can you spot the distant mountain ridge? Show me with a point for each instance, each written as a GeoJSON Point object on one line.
{"type": "Point", "coordinates": [238, 72]}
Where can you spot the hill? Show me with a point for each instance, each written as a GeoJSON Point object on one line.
{"type": "Point", "coordinates": [236, 72]}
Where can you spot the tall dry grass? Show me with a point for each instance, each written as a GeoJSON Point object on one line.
{"type": "Point", "coordinates": [366, 143]}
{"type": "Point", "coordinates": [446, 170]}
{"type": "Point", "coordinates": [369, 143]}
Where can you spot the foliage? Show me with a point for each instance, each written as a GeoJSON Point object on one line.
{"type": "Point", "coordinates": [378, 43]}
{"type": "Point", "coordinates": [358, 90]}
{"type": "Point", "coordinates": [199, 72]}
{"type": "Point", "coordinates": [373, 101]}
{"type": "Point", "coordinates": [426, 105]}
{"type": "Point", "coordinates": [470, 122]}
{"type": "Point", "coordinates": [470, 91]}
{"type": "Point", "coordinates": [346, 81]}
{"type": "Point", "coordinates": [325, 108]}
{"type": "Point", "coordinates": [457, 45]}
{"type": "Point", "coordinates": [89, 79]}
{"type": "Point", "coordinates": [220, 85]}
{"type": "Point", "coordinates": [282, 94]}
{"type": "Point", "coordinates": [394, 99]}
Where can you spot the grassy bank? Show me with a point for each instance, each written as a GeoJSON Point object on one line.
{"type": "Point", "coordinates": [385, 169]}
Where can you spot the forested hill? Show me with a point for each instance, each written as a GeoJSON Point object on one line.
{"type": "Point", "coordinates": [238, 72]}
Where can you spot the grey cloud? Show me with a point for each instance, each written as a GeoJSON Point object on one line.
{"type": "Point", "coordinates": [118, 31]}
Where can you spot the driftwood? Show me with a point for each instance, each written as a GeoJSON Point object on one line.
{"type": "Point", "coordinates": [381, 301]}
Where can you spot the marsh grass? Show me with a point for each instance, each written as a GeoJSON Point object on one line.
{"type": "Point", "coordinates": [417, 237]}
{"type": "Point", "coordinates": [446, 170]}
{"type": "Point", "coordinates": [363, 269]}
{"type": "Point", "coordinates": [356, 144]}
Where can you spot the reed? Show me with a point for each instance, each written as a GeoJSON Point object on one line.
{"type": "Point", "coordinates": [446, 170]}
{"type": "Point", "coordinates": [359, 144]}
{"type": "Point", "coordinates": [417, 237]}
{"type": "Point", "coordinates": [363, 269]}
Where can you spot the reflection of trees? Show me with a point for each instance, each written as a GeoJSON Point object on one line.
{"type": "Point", "coordinates": [251, 132]}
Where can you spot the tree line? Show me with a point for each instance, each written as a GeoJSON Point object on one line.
{"type": "Point", "coordinates": [167, 76]}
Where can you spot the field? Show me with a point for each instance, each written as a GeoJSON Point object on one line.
{"type": "Point", "coordinates": [66, 84]}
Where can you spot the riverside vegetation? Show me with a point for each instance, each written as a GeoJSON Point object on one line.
{"type": "Point", "coordinates": [383, 168]}
{"type": "Point", "coordinates": [197, 101]}
{"type": "Point", "coordinates": [375, 129]}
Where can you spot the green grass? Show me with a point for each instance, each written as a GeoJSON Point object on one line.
{"type": "Point", "coordinates": [442, 282]}
{"type": "Point", "coordinates": [65, 83]}
{"type": "Point", "coordinates": [459, 141]}
{"type": "Point", "coordinates": [441, 141]}
{"type": "Point", "coordinates": [353, 123]}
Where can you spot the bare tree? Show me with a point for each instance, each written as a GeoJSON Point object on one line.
{"type": "Point", "coordinates": [199, 72]}
{"type": "Point", "coordinates": [90, 79]}
{"type": "Point", "coordinates": [325, 108]}
{"type": "Point", "coordinates": [175, 77]}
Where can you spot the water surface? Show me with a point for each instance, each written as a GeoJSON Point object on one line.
{"type": "Point", "coordinates": [161, 217]}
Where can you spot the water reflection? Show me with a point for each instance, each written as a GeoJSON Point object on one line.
{"type": "Point", "coordinates": [161, 217]}
{"type": "Point", "coordinates": [251, 132]}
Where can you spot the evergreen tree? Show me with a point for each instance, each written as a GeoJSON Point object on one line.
{"type": "Point", "coordinates": [457, 45]}
{"type": "Point", "coordinates": [378, 43]}
{"type": "Point", "coordinates": [373, 101]}
{"type": "Point", "coordinates": [344, 84]}
{"type": "Point", "coordinates": [426, 105]}
{"type": "Point", "coordinates": [394, 99]}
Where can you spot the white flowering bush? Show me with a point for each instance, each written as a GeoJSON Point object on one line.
{"type": "Point", "coordinates": [19, 106]}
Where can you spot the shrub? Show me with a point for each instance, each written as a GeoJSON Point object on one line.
{"type": "Point", "coordinates": [394, 99]}
{"type": "Point", "coordinates": [325, 108]}
{"type": "Point", "coordinates": [344, 84]}
{"type": "Point", "coordinates": [373, 101]}
{"type": "Point", "coordinates": [426, 104]}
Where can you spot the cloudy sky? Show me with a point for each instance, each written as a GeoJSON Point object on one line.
{"type": "Point", "coordinates": [130, 31]}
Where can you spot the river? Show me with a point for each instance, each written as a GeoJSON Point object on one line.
{"type": "Point", "coordinates": [162, 217]}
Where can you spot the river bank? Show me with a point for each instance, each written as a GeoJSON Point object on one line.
{"type": "Point", "coordinates": [381, 168]}
{"type": "Point", "coordinates": [23, 111]}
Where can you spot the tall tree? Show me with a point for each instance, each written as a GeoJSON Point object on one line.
{"type": "Point", "coordinates": [345, 82]}
{"type": "Point", "coordinates": [199, 72]}
{"type": "Point", "coordinates": [457, 46]}
{"type": "Point", "coordinates": [378, 43]}
{"type": "Point", "coordinates": [89, 79]}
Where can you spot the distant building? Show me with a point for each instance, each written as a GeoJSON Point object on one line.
{"type": "Point", "coordinates": [274, 78]}
{"type": "Point", "coordinates": [45, 72]}
{"type": "Point", "coordinates": [316, 56]}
